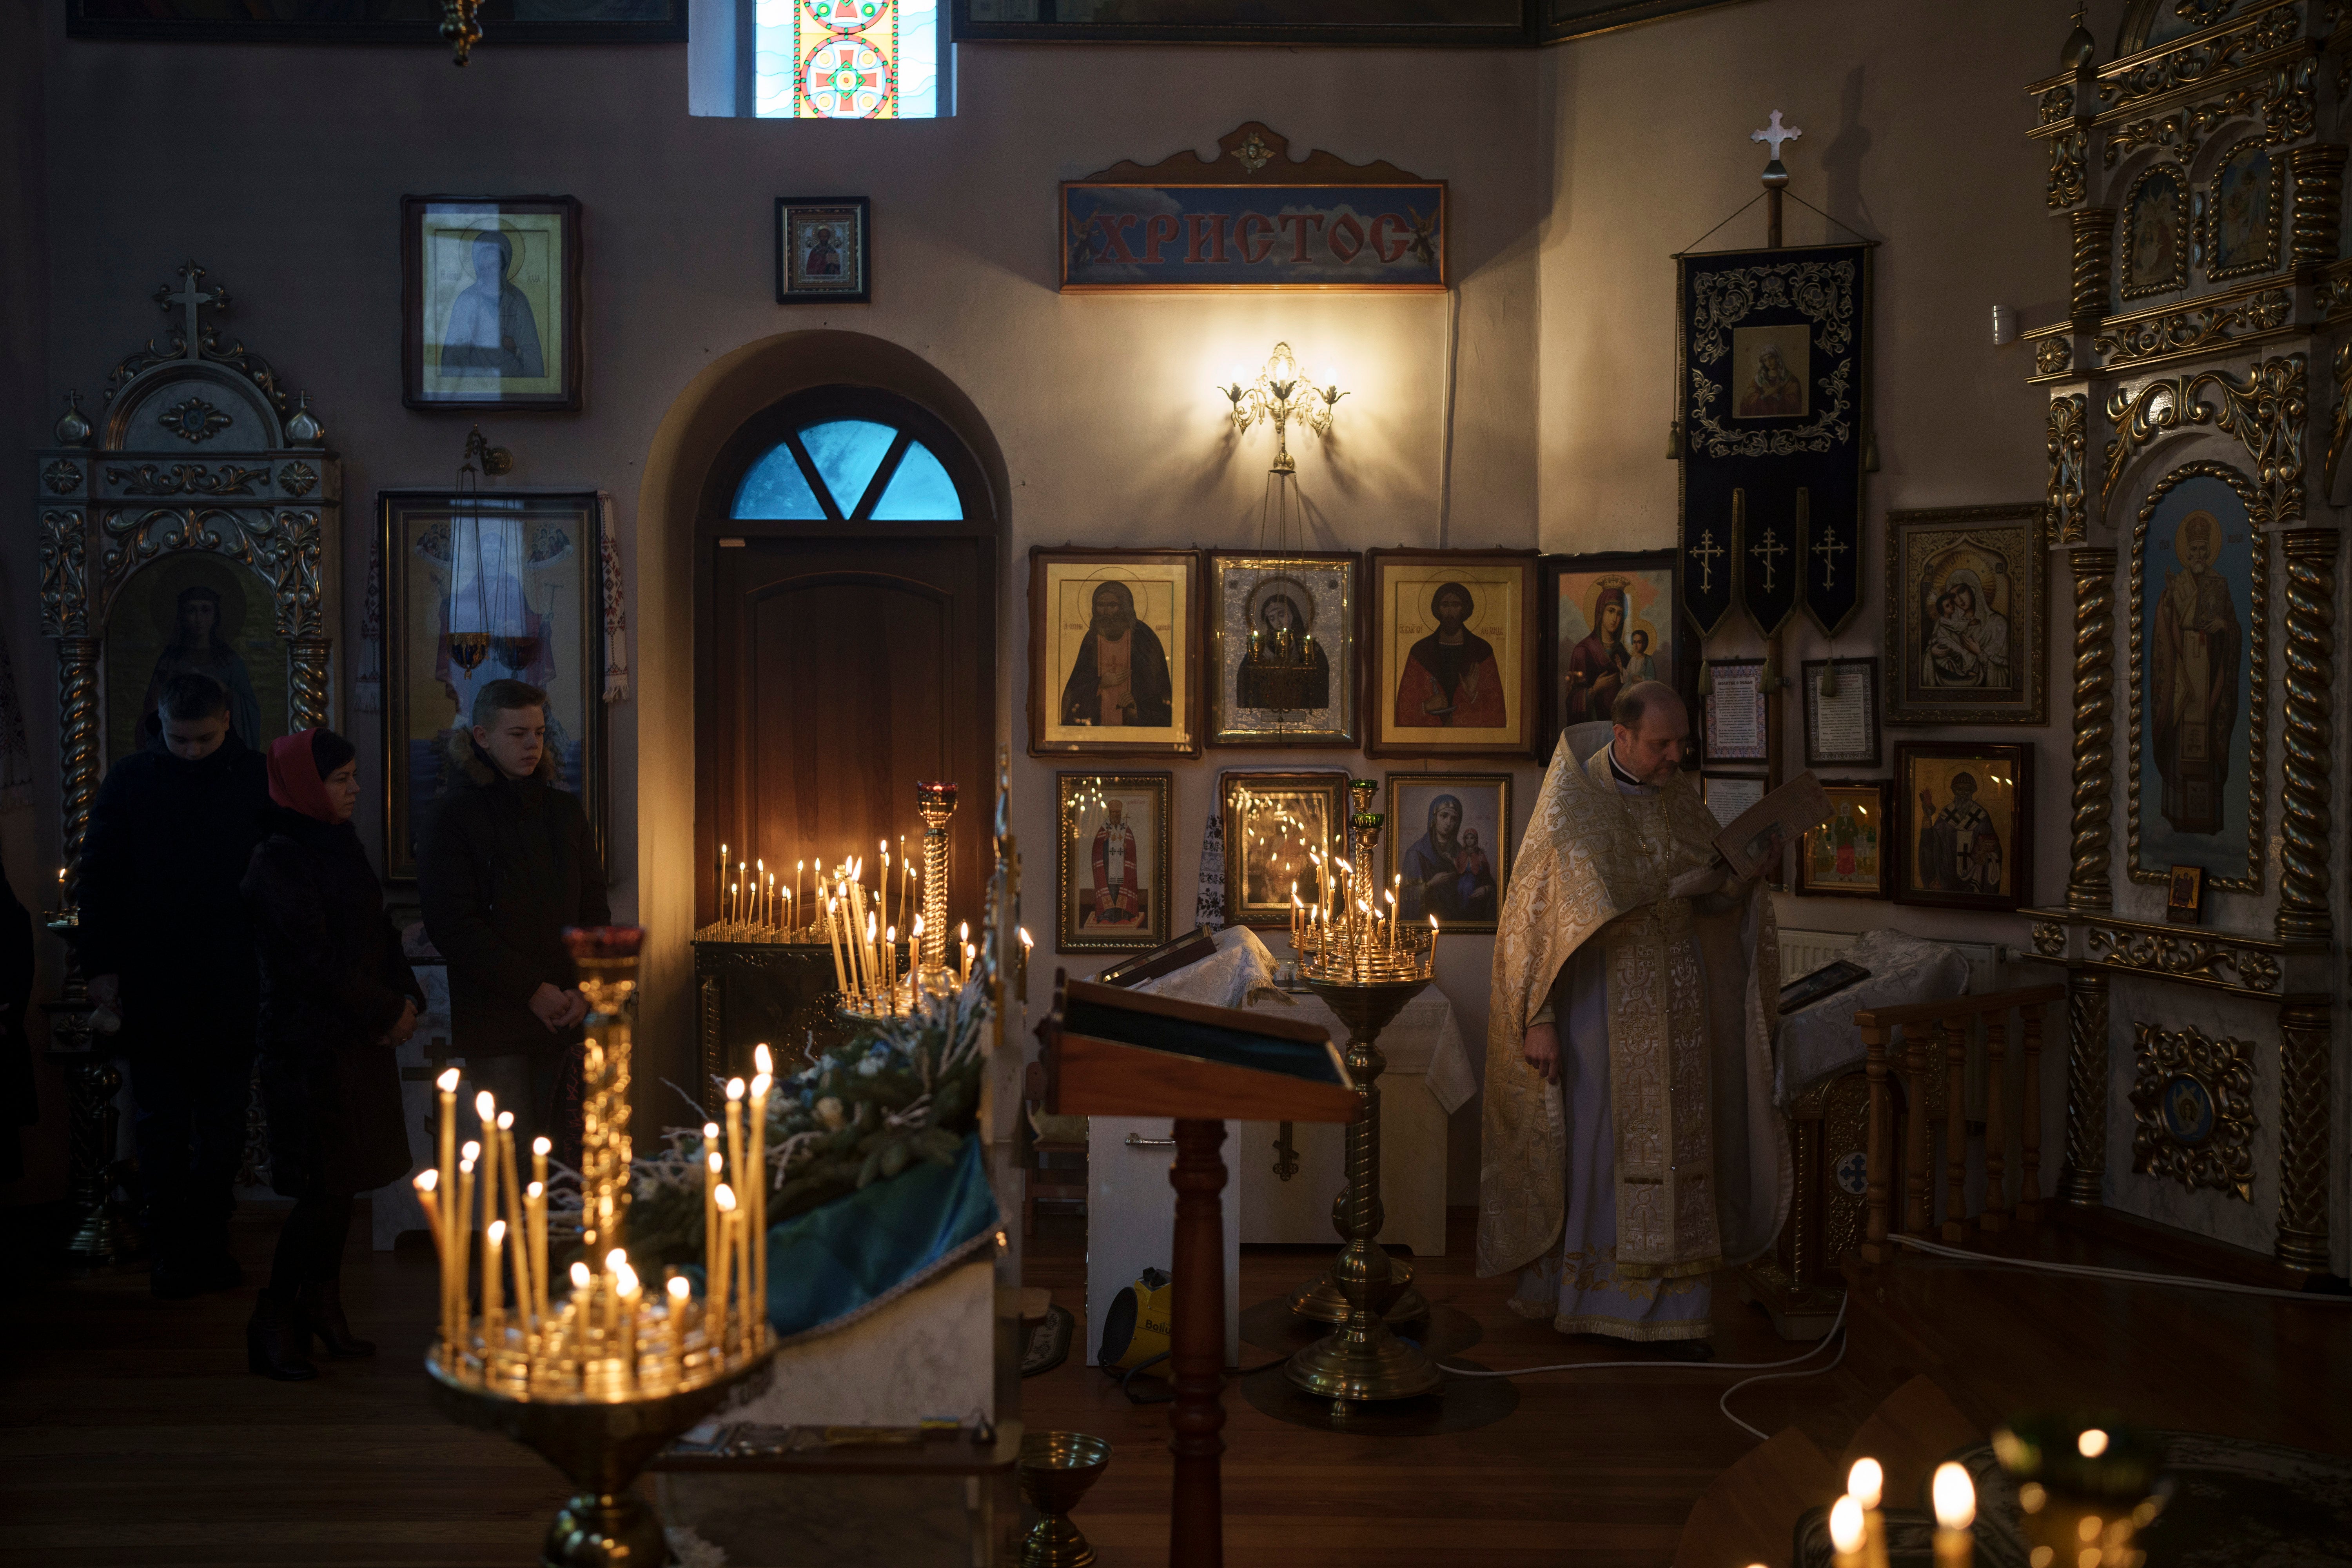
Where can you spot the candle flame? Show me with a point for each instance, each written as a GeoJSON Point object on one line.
{"type": "Point", "coordinates": [449, 1081]}
{"type": "Point", "coordinates": [471, 1150]}
{"type": "Point", "coordinates": [427, 1180]}
{"type": "Point", "coordinates": [580, 1276]}
{"type": "Point", "coordinates": [1866, 1481]}
{"type": "Point", "coordinates": [536, 1190]}
{"type": "Point", "coordinates": [763, 1059]}
{"type": "Point", "coordinates": [1846, 1524]}
{"type": "Point", "coordinates": [760, 1087]}
{"type": "Point", "coordinates": [711, 1130]}
{"type": "Point", "coordinates": [625, 1281]}
{"type": "Point", "coordinates": [734, 1089]}
{"type": "Point", "coordinates": [2092, 1443]}
{"type": "Point", "coordinates": [680, 1288]}
{"type": "Point", "coordinates": [1025, 940]}
{"type": "Point", "coordinates": [916, 929]}
{"type": "Point", "coordinates": [498, 1232]}
{"type": "Point", "coordinates": [486, 1106]}
{"type": "Point", "coordinates": [542, 1147]}
{"type": "Point", "coordinates": [718, 1163]}
{"type": "Point", "coordinates": [1956, 1497]}
{"type": "Point", "coordinates": [963, 930]}
{"type": "Point", "coordinates": [466, 1166]}
{"type": "Point", "coordinates": [506, 1121]}
{"type": "Point", "coordinates": [726, 1198]}
{"type": "Point", "coordinates": [618, 1258]}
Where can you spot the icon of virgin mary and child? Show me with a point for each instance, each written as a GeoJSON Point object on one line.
{"type": "Point", "coordinates": [1447, 872]}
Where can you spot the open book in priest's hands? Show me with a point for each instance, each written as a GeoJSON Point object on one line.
{"type": "Point", "coordinates": [1753, 841]}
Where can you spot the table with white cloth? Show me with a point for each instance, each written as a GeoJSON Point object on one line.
{"type": "Point", "coordinates": [1413, 1137]}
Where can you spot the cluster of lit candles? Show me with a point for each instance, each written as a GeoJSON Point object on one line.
{"type": "Point", "coordinates": [1858, 1527]}
{"type": "Point", "coordinates": [755, 904]}
{"type": "Point", "coordinates": [608, 1339]}
{"type": "Point", "coordinates": [1358, 932]}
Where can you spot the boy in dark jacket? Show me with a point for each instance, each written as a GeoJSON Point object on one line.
{"type": "Point", "coordinates": [507, 862]}
{"type": "Point", "coordinates": [166, 942]}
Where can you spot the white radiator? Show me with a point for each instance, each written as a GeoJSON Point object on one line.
{"type": "Point", "coordinates": [1802, 952]}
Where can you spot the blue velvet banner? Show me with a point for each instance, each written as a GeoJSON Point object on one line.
{"type": "Point", "coordinates": [843, 1259]}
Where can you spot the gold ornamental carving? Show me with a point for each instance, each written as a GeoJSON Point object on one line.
{"type": "Point", "coordinates": [2049, 939]}
{"type": "Point", "coordinates": [2258, 656]}
{"type": "Point", "coordinates": [2319, 204]}
{"type": "Point", "coordinates": [283, 546]}
{"type": "Point", "coordinates": [2341, 425]}
{"type": "Point", "coordinates": [186, 479]}
{"type": "Point", "coordinates": [2068, 468]}
{"type": "Point", "coordinates": [298, 479]}
{"type": "Point", "coordinates": [65, 576]}
{"type": "Point", "coordinates": [2183, 957]}
{"type": "Point", "coordinates": [2087, 1089]}
{"type": "Point", "coordinates": [2308, 736]}
{"type": "Point", "coordinates": [2207, 236]}
{"type": "Point", "coordinates": [2088, 882]}
{"type": "Point", "coordinates": [2053, 356]}
{"type": "Point", "coordinates": [2067, 180]}
{"type": "Point", "coordinates": [2264, 411]}
{"type": "Point", "coordinates": [2303, 1105]}
{"type": "Point", "coordinates": [2192, 327]}
{"type": "Point", "coordinates": [2177, 176]}
{"type": "Point", "coordinates": [2276, 29]}
{"type": "Point", "coordinates": [2285, 99]}
{"type": "Point", "coordinates": [63, 477]}
{"type": "Point", "coordinates": [2192, 1109]}
{"type": "Point", "coordinates": [2055, 105]}
{"type": "Point", "coordinates": [78, 736]}
{"type": "Point", "coordinates": [2091, 294]}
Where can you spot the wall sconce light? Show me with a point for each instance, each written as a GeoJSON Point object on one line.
{"type": "Point", "coordinates": [1282, 394]}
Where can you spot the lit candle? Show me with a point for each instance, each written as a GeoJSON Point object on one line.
{"type": "Point", "coordinates": [534, 1208]}
{"type": "Point", "coordinates": [539, 1149]}
{"type": "Point", "coordinates": [448, 1084]}
{"type": "Point", "coordinates": [514, 1217]}
{"type": "Point", "coordinates": [1846, 1532]}
{"type": "Point", "coordinates": [1866, 1484]}
{"type": "Point", "coordinates": [427, 1183]}
{"type": "Point", "coordinates": [735, 1135]}
{"type": "Point", "coordinates": [890, 971]}
{"type": "Point", "coordinates": [711, 1170]}
{"type": "Point", "coordinates": [1956, 1509]}
{"type": "Point", "coordinates": [873, 962]}
{"type": "Point", "coordinates": [486, 1107]}
{"type": "Point", "coordinates": [494, 1238]}
{"type": "Point", "coordinates": [758, 1190]}
{"type": "Point", "coordinates": [715, 1312]}
{"type": "Point", "coordinates": [832, 938]}
{"type": "Point", "coordinates": [787, 922]}
{"type": "Point", "coordinates": [798, 868]}
{"type": "Point", "coordinates": [719, 890]}
{"type": "Point", "coordinates": [759, 886]}
{"type": "Point", "coordinates": [626, 1289]}
{"type": "Point", "coordinates": [460, 1278]}
{"type": "Point", "coordinates": [882, 887]}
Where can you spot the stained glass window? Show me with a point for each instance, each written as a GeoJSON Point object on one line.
{"type": "Point", "coordinates": [826, 469]}
{"type": "Point", "coordinates": [845, 59]}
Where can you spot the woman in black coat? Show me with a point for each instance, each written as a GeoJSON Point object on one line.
{"type": "Point", "coordinates": [337, 999]}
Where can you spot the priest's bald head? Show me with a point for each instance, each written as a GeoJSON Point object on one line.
{"type": "Point", "coordinates": [1652, 727]}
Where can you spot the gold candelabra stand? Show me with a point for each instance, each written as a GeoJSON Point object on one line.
{"type": "Point", "coordinates": [1366, 962]}
{"type": "Point", "coordinates": [597, 1380]}
{"type": "Point", "coordinates": [934, 803]}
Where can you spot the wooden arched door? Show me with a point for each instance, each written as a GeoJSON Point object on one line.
{"type": "Point", "coordinates": [845, 583]}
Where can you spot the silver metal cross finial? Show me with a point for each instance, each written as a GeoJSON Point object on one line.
{"type": "Point", "coordinates": [1774, 133]}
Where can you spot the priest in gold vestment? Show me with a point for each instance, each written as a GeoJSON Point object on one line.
{"type": "Point", "coordinates": [1631, 1147]}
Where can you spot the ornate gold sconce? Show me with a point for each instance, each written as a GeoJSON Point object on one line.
{"type": "Point", "coordinates": [1282, 394]}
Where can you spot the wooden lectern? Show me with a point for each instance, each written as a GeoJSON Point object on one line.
{"type": "Point", "coordinates": [1110, 1052]}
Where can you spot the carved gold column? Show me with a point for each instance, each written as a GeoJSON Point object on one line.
{"type": "Point", "coordinates": [307, 664]}
{"type": "Point", "coordinates": [2087, 1089]}
{"type": "Point", "coordinates": [2319, 204]}
{"type": "Point", "coordinates": [2304, 817]}
{"type": "Point", "coordinates": [2303, 1136]}
{"type": "Point", "coordinates": [2095, 264]}
{"type": "Point", "coordinates": [78, 739]}
{"type": "Point", "coordinates": [2088, 884]}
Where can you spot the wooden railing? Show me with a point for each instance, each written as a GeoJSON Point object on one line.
{"type": "Point", "coordinates": [1930, 1029]}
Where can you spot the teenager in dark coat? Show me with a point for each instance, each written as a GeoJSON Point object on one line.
{"type": "Point", "coordinates": [506, 863]}
{"type": "Point", "coordinates": [337, 999]}
{"type": "Point", "coordinates": [165, 943]}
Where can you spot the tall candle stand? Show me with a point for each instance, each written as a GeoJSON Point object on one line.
{"type": "Point", "coordinates": [1366, 969]}
{"type": "Point", "coordinates": [934, 802]}
{"type": "Point", "coordinates": [600, 1379]}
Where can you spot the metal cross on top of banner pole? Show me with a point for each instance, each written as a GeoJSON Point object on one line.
{"type": "Point", "coordinates": [1771, 421]}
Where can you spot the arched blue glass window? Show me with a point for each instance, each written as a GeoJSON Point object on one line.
{"type": "Point", "coordinates": [848, 470]}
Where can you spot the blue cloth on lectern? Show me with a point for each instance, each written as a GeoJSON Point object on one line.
{"type": "Point", "coordinates": [848, 1256]}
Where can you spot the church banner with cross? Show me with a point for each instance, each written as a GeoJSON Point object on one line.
{"type": "Point", "coordinates": [1773, 381]}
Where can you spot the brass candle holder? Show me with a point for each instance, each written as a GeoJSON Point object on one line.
{"type": "Point", "coordinates": [935, 803]}
{"type": "Point", "coordinates": [1055, 1469]}
{"type": "Point", "coordinates": [1366, 968]}
{"type": "Point", "coordinates": [599, 1379]}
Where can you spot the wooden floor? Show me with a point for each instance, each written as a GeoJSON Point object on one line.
{"type": "Point", "coordinates": [130, 1431]}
